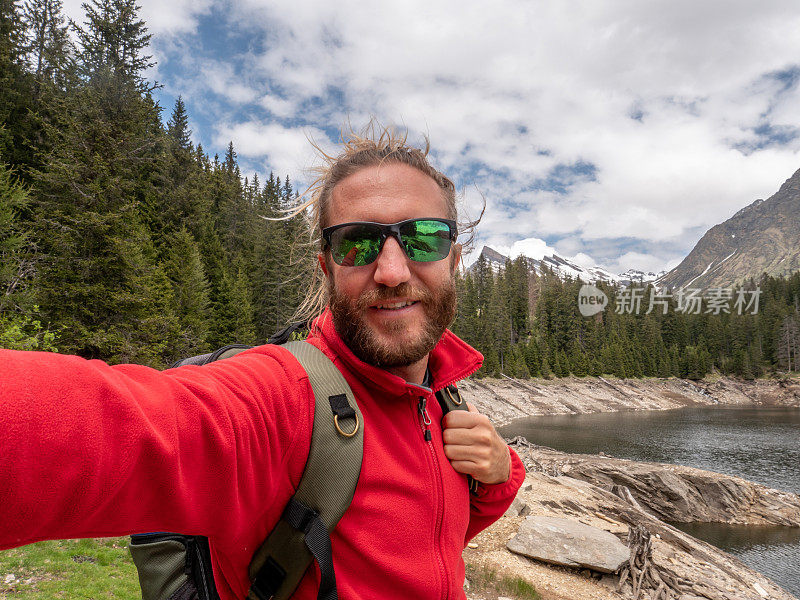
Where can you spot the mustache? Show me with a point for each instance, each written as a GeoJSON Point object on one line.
{"type": "Point", "coordinates": [382, 294]}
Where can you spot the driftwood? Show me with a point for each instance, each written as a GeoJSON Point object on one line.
{"type": "Point", "coordinates": [642, 576]}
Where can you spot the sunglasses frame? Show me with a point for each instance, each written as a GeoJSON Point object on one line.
{"type": "Point", "coordinates": [388, 230]}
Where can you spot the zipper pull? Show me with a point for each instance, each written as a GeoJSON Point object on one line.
{"type": "Point", "coordinates": [425, 418]}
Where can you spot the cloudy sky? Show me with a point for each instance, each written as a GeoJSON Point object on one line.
{"type": "Point", "coordinates": [616, 132]}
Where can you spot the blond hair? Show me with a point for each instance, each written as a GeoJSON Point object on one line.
{"type": "Point", "coordinates": [373, 145]}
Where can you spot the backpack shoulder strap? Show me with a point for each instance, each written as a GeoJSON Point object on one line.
{"type": "Point", "coordinates": [220, 354]}
{"type": "Point", "coordinates": [325, 490]}
{"type": "Point", "coordinates": [449, 398]}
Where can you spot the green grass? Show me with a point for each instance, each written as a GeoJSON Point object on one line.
{"type": "Point", "coordinates": [487, 580]}
{"type": "Point", "coordinates": [69, 569]}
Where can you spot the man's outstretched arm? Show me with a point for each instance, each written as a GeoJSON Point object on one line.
{"type": "Point", "coordinates": [89, 450]}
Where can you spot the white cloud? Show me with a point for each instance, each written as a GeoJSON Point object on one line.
{"type": "Point", "coordinates": [224, 81]}
{"type": "Point", "coordinates": [162, 18]}
{"type": "Point", "coordinates": [530, 247]}
{"type": "Point", "coordinates": [584, 260]}
{"type": "Point", "coordinates": [278, 106]}
{"type": "Point", "coordinates": [284, 150]}
{"type": "Point", "coordinates": [175, 16]}
{"type": "Point", "coordinates": [646, 263]}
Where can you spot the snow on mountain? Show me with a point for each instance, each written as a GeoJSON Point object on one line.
{"type": "Point", "coordinates": [640, 277]}
{"type": "Point", "coordinates": [565, 268]}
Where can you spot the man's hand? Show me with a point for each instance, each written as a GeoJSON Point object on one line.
{"type": "Point", "coordinates": [474, 447]}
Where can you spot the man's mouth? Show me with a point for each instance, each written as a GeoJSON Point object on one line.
{"type": "Point", "coordinates": [394, 305]}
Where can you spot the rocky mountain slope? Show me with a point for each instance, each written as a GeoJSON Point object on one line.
{"type": "Point", "coordinates": [762, 237]}
{"type": "Point", "coordinates": [564, 268]}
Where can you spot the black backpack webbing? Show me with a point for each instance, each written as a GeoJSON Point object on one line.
{"type": "Point", "coordinates": [449, 399]}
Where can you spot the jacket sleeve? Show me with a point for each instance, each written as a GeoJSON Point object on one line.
{"type": "Point", "coordinates": [91, 450]}
{"type": "Point", "coordinates": [491, 501]}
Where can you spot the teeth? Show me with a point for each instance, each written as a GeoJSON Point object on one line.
{"type": "Point", "coordinates": [394, 306]}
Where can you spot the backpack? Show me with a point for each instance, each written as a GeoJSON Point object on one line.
{"type": "Point", "coordinates": [174, 566]}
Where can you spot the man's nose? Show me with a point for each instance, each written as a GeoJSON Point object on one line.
{"type": "Point", "coordinates": [392, 264]}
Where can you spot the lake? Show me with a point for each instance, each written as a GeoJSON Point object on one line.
{"type": "Point", "coordinates": [757, 444]}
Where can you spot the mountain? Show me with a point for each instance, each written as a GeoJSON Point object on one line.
{"type": "Point", "coordinates": [762, 237]}
{"type": "Point", "coordinates": [565, 268]}
{"type": "Point", "coordinates": [634, 276]}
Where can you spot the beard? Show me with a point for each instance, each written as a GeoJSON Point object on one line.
{"type": "Point", "coordinates": [348, 319]}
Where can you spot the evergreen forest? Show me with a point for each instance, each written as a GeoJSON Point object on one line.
{"type": "Point", "coordinates": [122, 240]}
{"type": "Point", "coordinates": [529, 325]}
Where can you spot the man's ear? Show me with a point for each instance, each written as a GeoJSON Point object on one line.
{"type": "Point", "coordinates": [322, 264]}
{"type": "Point", "coordinates": [456, 257]}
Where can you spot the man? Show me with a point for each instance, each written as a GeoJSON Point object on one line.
{"type": "Point", "coordinates": [88, 450]}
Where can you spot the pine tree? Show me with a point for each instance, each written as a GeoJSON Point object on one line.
{"type": "Point", "coordinates": [178, 126]}
{"type": "Point", "coordinates": [15, 88]}
{"type": "Point", "coordinates": [547, 372]}
{"type": "Point", "coordinates": [16, 252]}
{"type": "Point", "coordinates": [491, 364]}
{"type": "Point", "coordinates": [191, 296]}
{"type": "Point", "coordinates": [533, 359]}
{"type": "Point", "coordinates": [100, 276]}
{"type": "Point", "coordinates": [20, 323]}
{"type": "Point", "coordinates": [48, 49]}
{"type": "Point", "coordinates": [520, 367]}
{"type": "Point", "coordinates": [244, 331]}
{"type": "Point", "coordinates": [561, 364]}
{"type": "Point", "coordinates": [788, 344]}
{"type": "Point", "coordinates": [112, 43]}
{"type": "Point", "coordinates": [578, 360]}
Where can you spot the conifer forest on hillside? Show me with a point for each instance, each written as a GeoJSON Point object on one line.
{"type": "Point", "coordinates": [122, 240]}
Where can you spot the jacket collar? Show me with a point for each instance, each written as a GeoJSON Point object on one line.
{"type": "Point", "coordinates": [451, 360]}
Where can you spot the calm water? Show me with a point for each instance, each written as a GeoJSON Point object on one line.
{"type": "Point", "coordinates": [761, 445]}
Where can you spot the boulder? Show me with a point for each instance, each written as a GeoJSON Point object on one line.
{"type": "Point", "coordinates": [569, 543]}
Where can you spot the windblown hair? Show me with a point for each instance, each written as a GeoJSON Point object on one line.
{"type": "Point", "coordinates": [373, 145]}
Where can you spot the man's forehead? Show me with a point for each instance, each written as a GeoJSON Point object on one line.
{"type": "Point", "coordinates": [387, 175]}
{"type": "Point", "coordinates": [388, 187]}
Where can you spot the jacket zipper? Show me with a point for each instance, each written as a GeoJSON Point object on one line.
{"type": "Point", "coordinates": [424, 418]}
{"type": "Point", "coordinates": [425, 422]}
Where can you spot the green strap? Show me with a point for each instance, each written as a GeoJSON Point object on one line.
{"type": "Point", "coordinates": [330, 476]}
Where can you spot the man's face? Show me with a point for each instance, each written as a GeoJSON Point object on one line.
{"type": "Point", "coordinates": [391, 312]}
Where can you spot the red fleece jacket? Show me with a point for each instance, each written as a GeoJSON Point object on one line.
{"type": "Point", "coordinates": [91, 450]}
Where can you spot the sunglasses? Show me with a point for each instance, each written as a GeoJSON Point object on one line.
{"type": "Point", "coordinates": [359, 243]}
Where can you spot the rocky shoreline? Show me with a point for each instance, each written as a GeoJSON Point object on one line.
{"type": "Point", "coordinates": [507, 399]}
{"type": "Point", "coordinates": [569, 497]}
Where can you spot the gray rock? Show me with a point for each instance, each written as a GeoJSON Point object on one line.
{"type": "Point", "coordinates": [518, 508]}
{"type": "Point", "coordinates": [673, 492]}
{"type": "Point", "coordinates": [569, 543]}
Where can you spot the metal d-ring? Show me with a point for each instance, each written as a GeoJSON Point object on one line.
{"type": "Point", "coordinates": [453, 400]}
{"type": "Point", "coordinates": [341, 431]}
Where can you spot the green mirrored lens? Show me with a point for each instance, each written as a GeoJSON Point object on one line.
{"type": "Point", "coordinates": [426, 241]}
{"type": "Point", "coordinates": [356, 245]}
